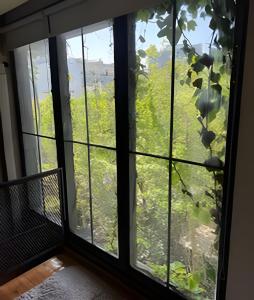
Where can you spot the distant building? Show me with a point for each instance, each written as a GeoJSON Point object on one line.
{"type": "Point", "coordinates": [98, 75]}
{"type": "Point", "coordinates": [166, 54]}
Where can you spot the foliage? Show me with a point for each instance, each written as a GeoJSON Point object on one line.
{"type": "Point", "coordinates": [201, 99]}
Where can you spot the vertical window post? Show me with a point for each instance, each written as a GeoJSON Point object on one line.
{"type": "Point", "coordinates": [56, 95]}
{"type": "Point", "coordinates": [122, 133]}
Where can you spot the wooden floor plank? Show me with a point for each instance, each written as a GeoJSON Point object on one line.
{"type": "Point", "coordinates": [30, 279]}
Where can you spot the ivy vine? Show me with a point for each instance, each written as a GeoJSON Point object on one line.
{"type": "Point", "coordinates": [201, 73]}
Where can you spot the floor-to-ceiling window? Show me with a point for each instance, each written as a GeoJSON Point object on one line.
{"type": "Point", "coordinates": [178, 57]}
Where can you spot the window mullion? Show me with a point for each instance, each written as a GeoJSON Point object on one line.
{"type": "Point", "coordinates": [58, 118]}
{"type": "Point", "coordinates": [122, 133]}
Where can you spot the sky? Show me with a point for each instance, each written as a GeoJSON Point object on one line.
{"type": "Point", "coordinates": [99, 44]}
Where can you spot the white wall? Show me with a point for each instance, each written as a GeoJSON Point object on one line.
{"type": "Point", "coordinates": [241, 260]}
{"type": "Point", "coordinates": [8, 121]}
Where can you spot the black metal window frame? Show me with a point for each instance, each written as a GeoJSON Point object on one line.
{"type": "Point", "coordinates": [121, 267]}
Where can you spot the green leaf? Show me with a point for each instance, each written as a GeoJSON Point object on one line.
{"type": "Point", "coordinates": [183, 15]}
{"type": "Point", "coordinates": [192, 284]}
{"type": "Point", "coordinates": [143, 15]}
{"type": "Point", "coordinates": [204, 106]}
{"type": "Point", "coordinates": [215, 77]}
{"type": "Point", "coordinates": [225, 25]}
{"type": "Point", "coordinates": [208, 9]}
{"type": "Point", "coordinates": [213, 162]}
{"type": "Point", "coordinates": [217, 87]}
{"type": "Point", "coordinates": [226, 40]}
{"type": "Point", "coordinates": [197, 67]}
{"type": "Point", "coordinates": [142, 39]}
{"type": "Point", "coordinates": [206, 60]}
{"type": "Point", "coordinates": [160, 24]}
{"type": "Point", "coordinates": [207, 137]}
{"type": "Point", "coordinates": [213, 24]}
{"type": "Point", "coordinates": [191, 25]}
{"type": "Point", "coordinates": [141, 53]}
{"type": "Point", "coordinates": [168, 21]}
{"type": "Point", "coordinates": [198, 83]}
{"type": "Point", "coordinates": [182, 82]}
{"type": "Point", "coordinates": [192, 9]}
{"type": "Point", "coordinates": [178, 34]}
{"type": "Point", "coordinates": [191, 56]}
{"type": "Point", "coordinates": [186, 47]}
{"type": "Point", "coordinates": [163, 32]}
{"type": "Point", "coordinates": [181, 23]}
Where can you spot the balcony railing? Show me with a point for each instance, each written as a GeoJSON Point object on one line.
{"type": "Point", "coordinates": [31, 220]}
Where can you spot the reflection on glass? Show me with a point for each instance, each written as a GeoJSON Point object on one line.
{"type": "Point", "coordinates": [99, 75]}
{"type": "Point", "coordinates": [31, 154]}
{"type": "Point", "coordinates": [153, 90]}
{"type": "Point", "coordinates": [48, 154]}
{"type": "Point", "coordinates": [42, 88]}
{"type": "Point", "coordinates": [104, 199]}
{"type": "Point", "coordinates": [194, 234]}
{"type": "Point", "coordinates": [25, 89]}
{"type": "Point", "coordinates": [76, 88]}
{"type": "Point", "coordinates": [152, 216]}
{"type": "Point", "coordinates": [96, 59]}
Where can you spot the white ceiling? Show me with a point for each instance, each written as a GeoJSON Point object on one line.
{"type": "Point", "coordinates": [6, 5]}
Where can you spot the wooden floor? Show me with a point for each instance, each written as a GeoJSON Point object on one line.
{"type": "Point", "coordinates": [30, 279]}
{"type": "Point", "coordinates": [25, 282]}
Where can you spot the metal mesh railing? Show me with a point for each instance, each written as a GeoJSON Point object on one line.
{"type": "Point", "coordinates": [30, 219]}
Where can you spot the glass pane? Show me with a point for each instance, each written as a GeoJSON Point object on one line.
{"type": "Point", "coordinates": [104, 194]}
{"type": "Point", "coordinates": [195, 227]}
{"type": "Point", "coordinates": [42, 86]}
{"type": "Point", "coordinates": [25, 89]}
{"type": "Point", "coordinates": [153, 85]}
{"type": "Point", "coordinates": [202, 85]}
{"type": "Point", "coordinates": [151, 216]}
{"type": "Point", "coordinates": [78, 201]}
{"type": "Point", "coordinates": [99, 67]}
{"type": "Point", "coordinates": [31, 154]}
{"type": "Point", "coordinates": [48, 154]}
{"type": "Point", "coordinates": [76, 88]}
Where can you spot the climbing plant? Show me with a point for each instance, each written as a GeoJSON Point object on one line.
{"type": "Point", "coordinates": [204, 73]}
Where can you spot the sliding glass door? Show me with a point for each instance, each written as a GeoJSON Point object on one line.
{"type": "Point", "coordinates": [145, 103]}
